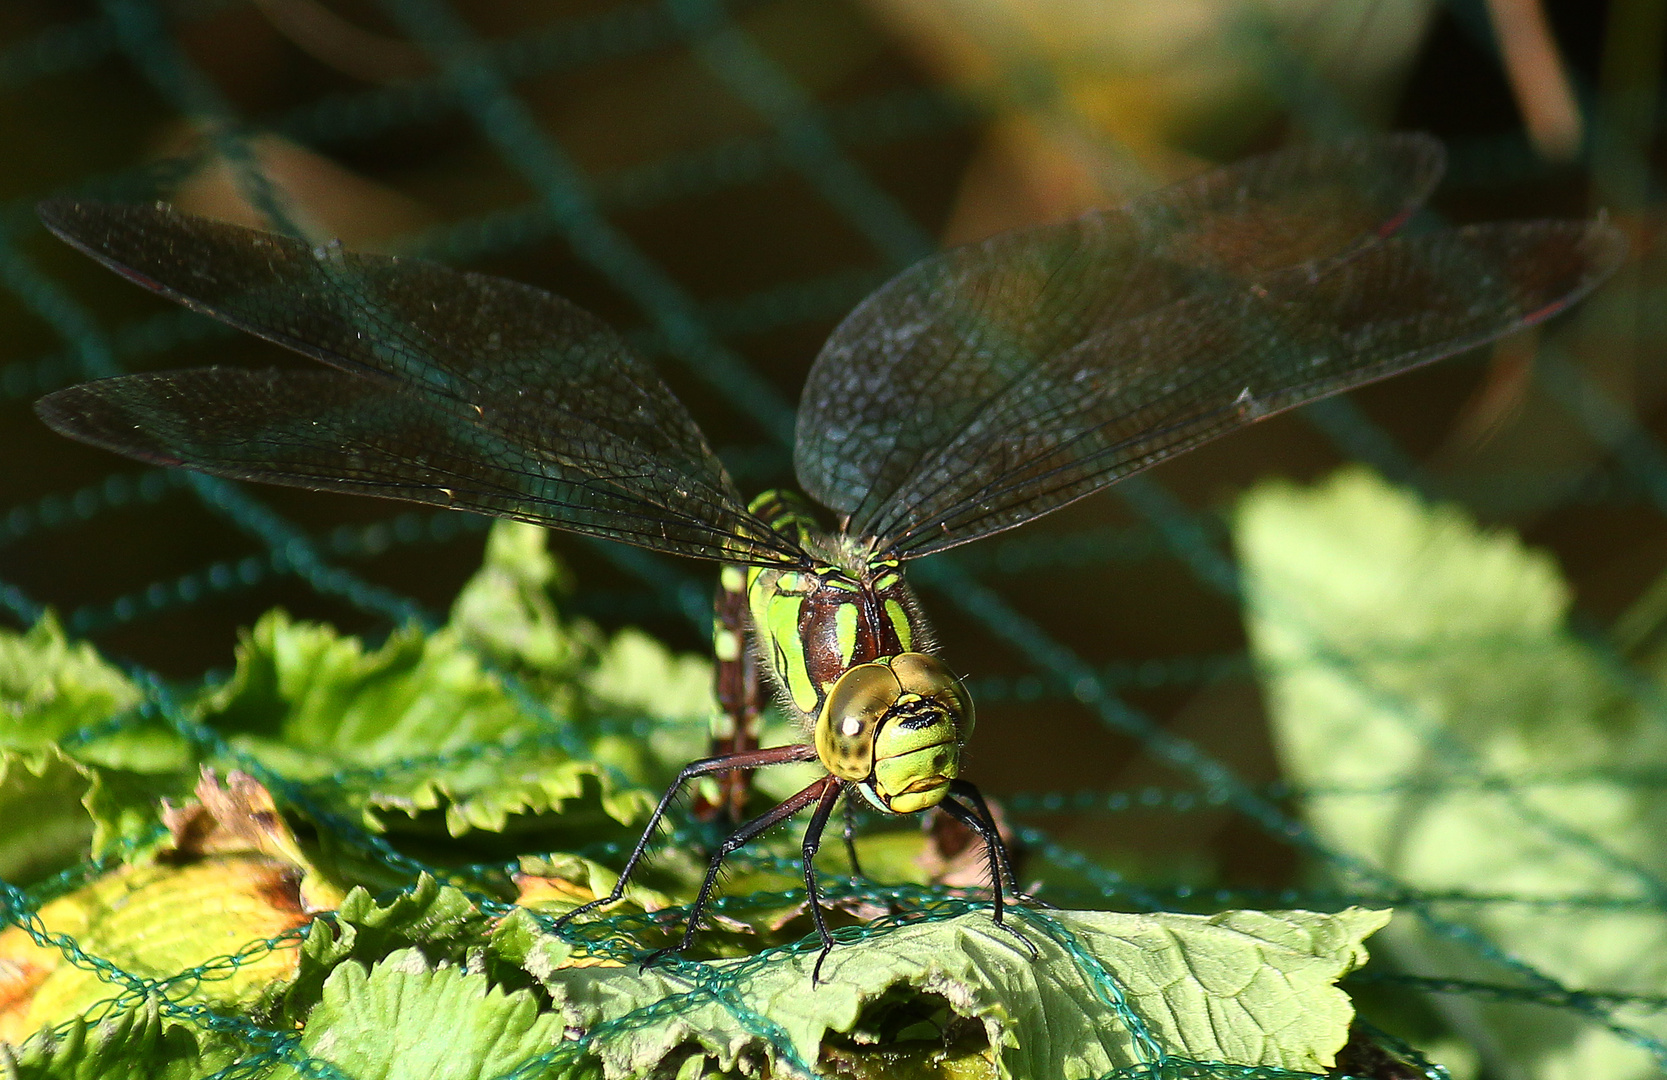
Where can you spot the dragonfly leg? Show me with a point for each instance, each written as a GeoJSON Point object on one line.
{"type": "Point", "coordinates": [756, 759]}
{"type": "Point", "coordinates": [813, 840]}
{"type": "Point", "coordinates": [997, 852]}
{"type": "Point", "coordinates": [972, 795]}
{"type": "Point", "coordinates": [850, 808]}
{"type": "Point", "coordinates": [734, 843]}
{"type": "Point", "coordinates": [738, 683]}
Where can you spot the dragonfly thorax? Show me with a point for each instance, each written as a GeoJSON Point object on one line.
{"type": "Point", "coordinates": [814, 624]}
{"type": "Point", "coordinates": [814, 621]}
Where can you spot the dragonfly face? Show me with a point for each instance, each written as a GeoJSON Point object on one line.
{"type": "Point", "coordinates": [975, 391]}
{"type": "Point", "coordinates": [895, 728]}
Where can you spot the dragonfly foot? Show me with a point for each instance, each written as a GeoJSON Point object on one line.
{"type": "Point", "coordinates": [660, 954]}
{"type": "Point", "coordinates": [562, 920]}
{"type": "Point", "coordinates": [816, 972]}
{"type": "Point", "coordinates": [1020, 938]}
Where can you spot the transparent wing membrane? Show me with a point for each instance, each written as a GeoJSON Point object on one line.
{"type": "Point", "coordinates": [977, 390]}
{"type": "Point", "coordinates": [996, 382]}
{"type": "Point", "coordinates": [453, 388]}
{"type": "Point", "coordinates": [1148, 388]}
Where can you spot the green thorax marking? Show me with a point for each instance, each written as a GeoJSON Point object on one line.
{"type": "Point", "coordinates": [814, 622]}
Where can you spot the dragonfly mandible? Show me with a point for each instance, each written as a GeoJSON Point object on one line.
{"type": "Point", "coordinates": [975, 391]}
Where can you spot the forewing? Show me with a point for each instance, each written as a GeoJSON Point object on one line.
{"type": "Point", "coordinates": [327, 430]}
{"type": "Point", "coordinates": [918, 360]}
{"type": "Point", "coordinates": [1135, 391]}
{"type": "Point", "coordinates": [525, 388]}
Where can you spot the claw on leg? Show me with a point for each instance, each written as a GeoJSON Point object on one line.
{"type": "Point", "coordinates": [982, 822]}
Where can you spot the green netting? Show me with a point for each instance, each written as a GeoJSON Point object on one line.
{"type": "Point", "coordinates": [1478, 745]}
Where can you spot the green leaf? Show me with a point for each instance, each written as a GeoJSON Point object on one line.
{"type": "Point", "coordinates": [44, 826]}
{"type": "Point", "coordinates": [438, 919]}
{"type": "Point", "coordinates": [419, 724]}
{"type": "Point", "coordinates": [1251, 988]}
{"type": "Point", "coordinates": [404, 1018]}
{"type": "Point", "coordinates": [55, 809]}
{"type": "Point", "coordinates": [50, 687]}
{"type": "Point", "coordinates": [112, 763]}
{"type": "Point", "coordinates": [919, 1059]}
{"type": "Point", "coordinates": [637, 674]}
{"type": "Point", "coordinates": [56, 691]}
{"type": "Point", "coordinates": [201, 931]}
{"type": "Point", "coordinates": [126, 810]}
{"type": "Point", "coordinates": [134, 1043]}
{"type": "Point", "coordinates": [633, 674]}
{"type": "Point", "coordinates": [502, 716]}
{"type": "Point", "coordinates": [1406, 653]}
{"type": "Point", "coordinates": [506, 611]}
{"type": "Point", "coordinates": [557, 881]}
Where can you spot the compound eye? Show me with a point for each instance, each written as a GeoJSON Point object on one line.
{"type": "Point", "coordinates": [852, 713]}
{"type": "Point", "coordinates": [918, 673]}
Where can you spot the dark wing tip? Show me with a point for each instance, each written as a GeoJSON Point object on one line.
{"type": "Point", "coordinates": [1401, 168]}
{"type": "Point", "coordinates": [57, 214]}
{"type": "Point", "coordinates": [1414, 153]}
{"type": "Point", "coordinates": [87, 414]}
{"type": "Point", "coordinates": [76, 220]}
{"type": "Point", "coordinates": [105, 231]}
{"type": "Point", "coordinates": [62, 410]}
{"type": "Point", "coordinates": [67, 219]}
{"type": "Point", "coordinates": [1422, 159]}
{"type": "Point", "coordinates": [1607, 247]}
{"type": "Point", "coordinates": [1578, 256]}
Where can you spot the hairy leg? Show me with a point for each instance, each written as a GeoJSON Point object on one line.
{"type": "Point", "coordinates": [813, 841]}
{"type": "Point", "coordinates": [849, 807]}
{"type": "Point", "coordinates": [997, 854]}
{"type": "Point", "coordinates": [755, 759]}
{"type": "Point", "coordinates": [736, 841]}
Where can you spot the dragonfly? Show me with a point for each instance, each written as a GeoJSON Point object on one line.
{"type": "Point", "coordinates": [975, 391]}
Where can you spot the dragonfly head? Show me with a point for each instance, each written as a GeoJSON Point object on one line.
{"type": "Point", "coordinates": [895, 727]}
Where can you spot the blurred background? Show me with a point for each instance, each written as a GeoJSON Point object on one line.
{"type": "Point", "coordinates": [725, 180]}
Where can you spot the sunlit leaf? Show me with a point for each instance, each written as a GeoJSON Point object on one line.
{"type": "Point", "coordinates": [139, 1042]}
{"type": "Point", "coordinates": [406, 1019]}
{"type": "Point", "coordinates": [1423, 683]}
{"type": "Point", "coordinates": [417, 725]}
{"type": "Point", "coordinates": [196, 933]}
{"type": "Point", "coordinates": [1251, 988]}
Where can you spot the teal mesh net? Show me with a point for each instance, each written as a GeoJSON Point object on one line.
{"type": "Point", "coordinates": [726, 181]}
